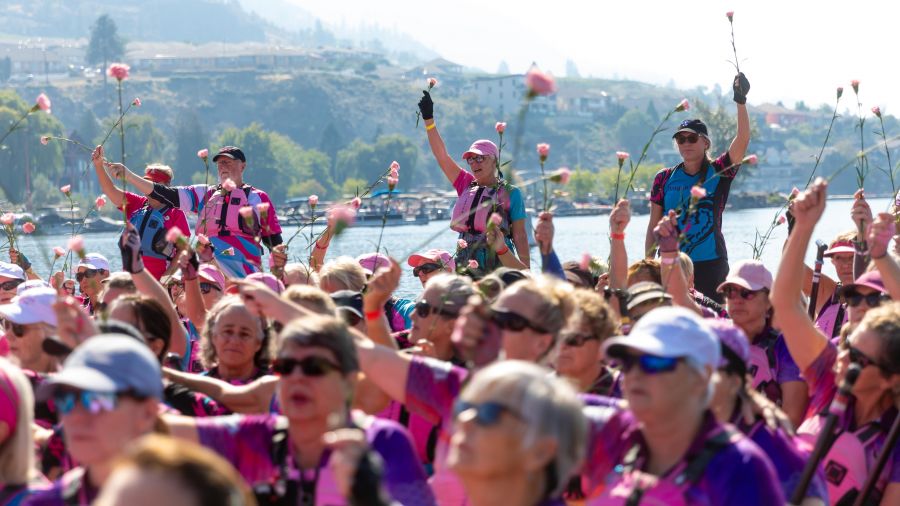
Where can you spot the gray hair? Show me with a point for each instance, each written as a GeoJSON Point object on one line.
{"type": "Point", "coordinates": [344, 273]}
{"type": "Point", "coordinates": [208, 351]}
{"type": "Point", "coordinates": [547, 404]}
{"type": "Point", "coordinates": [455, 290]}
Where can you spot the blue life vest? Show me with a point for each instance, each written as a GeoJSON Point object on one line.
{"type": "Point", "coordinates": [151, 226]}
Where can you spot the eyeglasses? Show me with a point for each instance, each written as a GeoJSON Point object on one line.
{"type": "Point", "coordinates": [423, 309]}
{"type": "Point", "coordinates": [577, 340]}
{"type": "Point", "coordinates": [11, 284]}
{"type": "Point", "coordinates": [15, 328]}
{"type": "Point", "coordinates": [476, 159]}
{"type": "Point", "coordinates": [486, 413]}
{"type": "Point", "coordinates": [87, 273]}
{"type": "Point", "coordinates": [732, 292]}
{"type": "Point", "coordinates": [689, 138]}
{"type": "Point", "coordinates": [425, 269]}
{"type": "Point", "coordinates": [509, 320]}
{"type": "Point", "coordinates": [649, 364]}
{"type": "Point", "coordinates": [873, 299]}
{"type": "Point", "coordinates": [205, 288]}
{"type": "Point", "coordinates": [311, 367]}
{"type": "Point", "coordinates": [93, 402]}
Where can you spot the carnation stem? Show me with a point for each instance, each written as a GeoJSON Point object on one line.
{"type": "Point", "coordinates": [634, 166]}
{"type": "Point", "coordinates": [15, 125]}
{"type": "Point", "coordinates": [387, 207]}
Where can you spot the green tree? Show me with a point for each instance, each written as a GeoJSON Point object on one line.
{"type": "Point", "coordinates": [582, 183]}
{"type": "Point", "coordinates": [352, 187]}
{"type": "Point", "coordinates": [368, 161]}
{"type": "Point", "coordinates": [190, 138]}
{"type": "Point", "coordinates": [145, 144]}
{"type": "Point", "coordinates": [643, 180]}
{"type": "Point", "coordinates": [88, 127]}
{"type": "Point", "coordinates": [632, 131]}
{"type": "Point", "coordinates": [105, 44]}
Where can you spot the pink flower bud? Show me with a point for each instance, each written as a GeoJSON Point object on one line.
{"type": "Point", "coordinates": [432, 82]}
{"type": "Point", "coordinates": [729, 15]}
{"type": "Point", "coordinates": [794, 192]}
{"type": "Point", "coordinates": [684, 105]}
{"type": "Point", "coordinates": [781, 220]}
{"type": "Point", "coordinates": [751, 159]}
{"type": "Point", "coordinates": [340, 217]}
{"type": "Point", "coordinates": [356, 202]}
{"type": "Point", "coordinates": [539, 83]}
{"type": "Point", "coordinates": [855, 84]}
{"type": "Point", "coordinates": [45, 140]}
{"type": "Point", "coordinates": [67, 189]}
{"type": "Point", "coordinates": [174, 235]}
{"type": "Point", "coordinates": [76, 244]}
{"type": "Point", "coordinates": [7, 219]}
{"type": "Point", "coordinates": [394, 173]}
{"type": "Point", "coordinates": [118, 71]}
{"type": "Point", "coordinates": [395, 166]}
{"type": "Point", "coordinates": [561, 175]}
{"type": "Point", "coordinates": [313, 200]}
{"type": "Point", "coordinates": [496, 220]}
{"type": "Point", "coordinates": [228, 185]}
{"type": "Point", "coordinates": [586, 261]}
{"type": "Point", "coordinates": [43, 102]}
{"type": "Point", "coordinates": [473, 264]}
{"type": "Point", "coordinates": [203, 154]}
{"type": "Point", "coordinates": [392, 182]}
{"type": "Point", "coordinates": [876, 111]}
{"type": "Point", "coordinates": [500, 127]}
{"type": "Point", "coordinates": [543, 150]}
{"type": "Point", "coordinates": [246, 212]}
{"type": "Point", "coordinates": [461, 244]}
{"type": "Point", "coordinates": [28, 227]}
{"type": "Point", "coordinates": [698, 192]}
{"type": "Point", "coordinates": [100, 202]}
{"type": "Point", "coordinates": [136, 102]}
{"type": "Point", "coordinates": [622, 155]}
{"type": "Point", "coordinates": [840, 91]}
{"type": "Point", "coordinates": [202, 239]}
{"type": "Point", "coordinates": [58, 251]}
{"type": "Point", "coordinates": [263, 209]}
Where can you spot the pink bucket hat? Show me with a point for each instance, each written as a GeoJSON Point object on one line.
{"type": "Point", "coordinates": [481, 147]}
{"type": "Point", "coordinates": [434, 256]}
{"type": "Point", "coordinates": [212, 274]}
{"type": "Point", "coordinates": [371, 262]}
{"type": "Point", "coordinates": [749, 274]}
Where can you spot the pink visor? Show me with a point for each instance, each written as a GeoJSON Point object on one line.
{"type": "Point", "coordinates": [481, 147]}
{"type": "Point", "coordinates": [840, 247]}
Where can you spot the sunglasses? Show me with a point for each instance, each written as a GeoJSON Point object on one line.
{"type": "Point", "coordinates": [508, 320]}
{"type": "Point", "coordinates": [92, 402]}
{"type": "Point", "coordinates": [87, 273]}
{"type": "Point", "coordinates": [425, 269]}
{"type": "Point", "coordinates": [311, 367]}
{"type": "Point", "coordinates": [873, 299]}
{"type": "Point", "coordinates": [649, 364]}
{"type": "Point", "coordinates": [577, 340]}
{"type": "Point", "coordinates": [857, 357]}
{"type": "Point", "coordinates": [688, 138]}
{"type": "Point", "coordinates": [11, 285]}
{"type": "Point", "coordinates": [476, 159]}
{"type": "Point", "coordinates": [486, 413]}
{"type": "Point", "coordinates": [15, 328]}
{"type": "Point", "coordinates": [732, 292]}
{"type": "Point", "coordinates": [205, 288]}
{"type": "Point", "coordinates": [424, 309]}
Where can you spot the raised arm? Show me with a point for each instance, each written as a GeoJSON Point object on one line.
{"type": "Point", "coordinates": [666, 235]}
{"type": "Point", "coordinates": [195, 308]}
{"type": "Point", "coordinates": [803, 339]}
{"type": "Point", "coordinates": [618, 257]}
{"type": "Point", "coordinates": [115, 195]}
{"type": "Point", "coordinates": [319, 249]}
{"type": "Point", "coordinates": [438, 149]}
{"type": "Point", "coordinates": [738, 147]}
{"type": "Point", "coordinates": [118, 171]}
{"type": "Point", "coordinates": [543, 235]}
{"type": "Point", "coordinates": [378, 291]}
{"type": "Point", "coordinates": [879, 237]}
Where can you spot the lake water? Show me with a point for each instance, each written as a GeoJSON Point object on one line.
{"type": "Point", "coordinates": [574, 236]}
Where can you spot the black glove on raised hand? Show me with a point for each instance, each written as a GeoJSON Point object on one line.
{"type": "Point", "coordinates": [130, 247]}
{"type": "Point", "coordinates": [426, 106]}
{"type": "Point", "coordinates": [740, 87]}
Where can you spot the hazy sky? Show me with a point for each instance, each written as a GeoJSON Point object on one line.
{"type": "Point", "coordinates": [789, 49]}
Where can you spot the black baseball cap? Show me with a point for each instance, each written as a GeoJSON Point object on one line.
{"type": "Point", "coordinates": [348, 300]}
{"type": "Point", "coordinates": [692, 125]}
{"type": "Point", "coordinates": [231, 152]}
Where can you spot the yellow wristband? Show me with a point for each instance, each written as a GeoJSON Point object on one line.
{"type": "Point", "coordinates": [430, 127]}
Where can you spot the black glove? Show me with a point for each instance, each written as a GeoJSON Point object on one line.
{"type": "Point", "coordinates": [740, 87]}
{"type": "Point", "coordinates": [130, 247]}
{"type": "Point", "coordinates": [426, 106]}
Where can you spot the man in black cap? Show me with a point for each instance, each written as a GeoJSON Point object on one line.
{"type": "Point", "coordinates": [701, 223]}
{"type": "Point", "coordinates": [235, 235]}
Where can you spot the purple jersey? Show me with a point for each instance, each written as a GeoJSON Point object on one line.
{"type": "Point", "coordinates": [247, 442]}
{"type": "Point", "coordinates": [771, 364]}
{"type": "Point", "coordinates": [72, 488]}
{"type": "Point", "coordinates": [736, 471]}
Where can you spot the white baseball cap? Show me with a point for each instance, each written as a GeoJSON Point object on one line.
{"type": "Point", "coordinates": [670, 332]}
{"type": "Point", "coordinates": [11, 271]}
{"type": "Point", "coordinates": [94, 261]}
{"type": "Point", "coordinates": [33, 306]}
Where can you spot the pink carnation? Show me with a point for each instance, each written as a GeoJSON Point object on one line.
{"type": "Point", "coordinates": [561, 175]}
{"type": "Point", "coordinates": [392, 182]}
{"type": "Point", "coordinates": [174, 235]}
{"type": "Point", "coordinates": [263, 208]}
{"type": "Point", "coordinates": [100, 202]}
{"type": "Point", "coordinates": [684, 105]}
{"type": "Point", "coordinates": [394, 173]}
{"type": "Point", "coordinates": [730, 15]}
{"type": "Point", "coordinates": [462, 244]}
{"type": "Point", "coordinates": [76, 243]}
{"type": "Point", "coordinates": [7, 219]}
{"type": "Point", "coordinates": [66, 189]}
{"type": "Point", "coordinates": [118, 71]}
{"type": "Point", "coordinates": [313, 200]}
{"type": "Point", "coordinates": [58, 251]}
{"type": "Point", "coordinates": [586, 261]}
{"type": "Point", "coordinates": [539, 83]}
{"type": "Point", "coordinates": [246, 212]}
{"type": "Point", "coordinates": [496, 220]}
{"type": "Point", "coordinates": [136, 102]}
{"type": "Point", "coordinates": [202, 239]}
{"type": "Point", "coordinates": [781, 220]}
{"type": "Point", "coordinates": [794, 192]}
{"type": "Point", "coordinates": [543, 150]}
{"type": "Point", "coordinates": [500, 127]}
{"type": "Point", "coordinates": [698, 192]}
{"type": "Point", "coordinates": [473, 264]}
{"type": "Point", "coordinates": [203, 154]}
{"type": "Point", "coordinates": [45, 140]}
{"type": "Point", "coordinates": [356, 203]}
{"type": "Point", "coordinates": [855, 84]}
{"type": "Point", "coordinates": [43, 102]}
{"type": "Point", "coordinates": [395, 166]}
{"type": "Point", "coordinates": [432, 82]}
{"type": "Point", "coordinates": [876, 111]}
{"type": "Point", "coordinates": [751, 159]}
{"type": "Point", "coordinates": [622, 155]}
{"type": "Point", "coordinates": [28, 227]}
{"type": "Point", "coordinates": [228, 185]}
{"type": "Point", "coordinates": [340, 217]}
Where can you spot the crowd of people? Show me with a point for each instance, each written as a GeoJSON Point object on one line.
{"type": "Point", "coordinates": [197, 376]}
